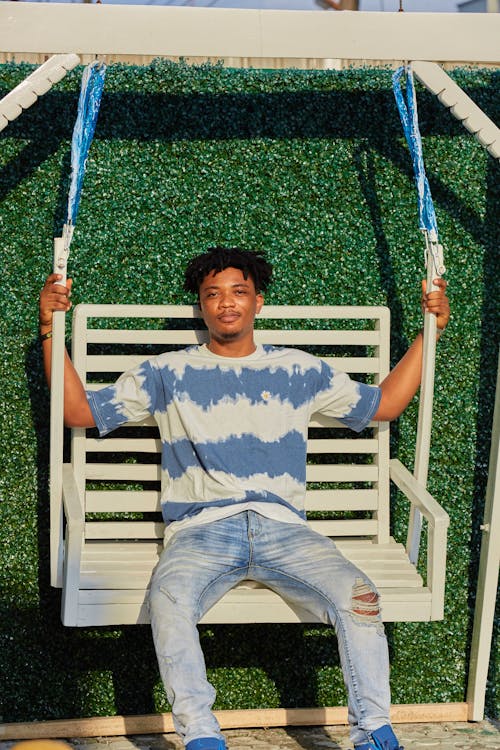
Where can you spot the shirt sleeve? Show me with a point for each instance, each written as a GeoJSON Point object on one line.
{"type": "Point", "coordinates": [352, 403]}
{"type": "Point", "coordinates": [130, 399]}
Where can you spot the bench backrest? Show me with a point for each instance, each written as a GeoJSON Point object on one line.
{"type": "Point", "coordinates": [119, 476]}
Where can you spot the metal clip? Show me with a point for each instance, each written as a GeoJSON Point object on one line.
{"type": "Point", "coordinates": [434, 250]}
{"type": "Point", "coordinates": [438, 258]}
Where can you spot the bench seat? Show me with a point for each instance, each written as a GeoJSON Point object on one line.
{"type": "Point", "coordinates": [104, 600]}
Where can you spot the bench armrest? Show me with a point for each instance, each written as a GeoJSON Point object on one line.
{"type": "Point", "coordinates": [75, 525]}
{"type": "Point", "coordinates": [72, 504]}
{"type": "Point", "coordinates": [438, 522]}
{"type": "Point", "coordinates": [418, 496]}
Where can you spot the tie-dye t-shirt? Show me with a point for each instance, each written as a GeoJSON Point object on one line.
{"type": "Point", "coordinates": [233, 430]}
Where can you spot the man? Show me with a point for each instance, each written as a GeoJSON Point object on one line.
{"type": "Point", "coordinates": [233, 420]}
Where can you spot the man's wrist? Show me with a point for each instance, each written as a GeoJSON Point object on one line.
{"type": "Point", "coordinates": [45, 331]}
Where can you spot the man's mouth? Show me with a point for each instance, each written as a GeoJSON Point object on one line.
{"type": "Point", "coordinates": [228, 317]}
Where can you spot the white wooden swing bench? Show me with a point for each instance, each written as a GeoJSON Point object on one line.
{"type": "Point", "coordinates": [105, 504]}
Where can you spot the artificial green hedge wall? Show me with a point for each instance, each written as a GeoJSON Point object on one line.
{"type": "Point", "coordinates": [312, 167]}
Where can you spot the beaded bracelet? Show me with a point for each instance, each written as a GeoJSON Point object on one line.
{"type": "Point", "coordinates": [45, 336]}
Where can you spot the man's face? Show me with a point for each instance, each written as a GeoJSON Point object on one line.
{"type": "Point", "coordinates": [229, 304]}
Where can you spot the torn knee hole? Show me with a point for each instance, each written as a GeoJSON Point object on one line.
{"type": "Point", "coordinates": [365, 601]}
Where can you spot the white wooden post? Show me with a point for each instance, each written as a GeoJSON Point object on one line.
{"type": "Point", "coordinates": [488, 577]}
{"type": "Point", "coordinates": [435, 270]}
{"type": "Point", "coordinates": [57, 431]}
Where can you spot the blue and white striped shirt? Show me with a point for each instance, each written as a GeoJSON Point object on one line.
{"type": "Point", "coordinates": [233, 430]}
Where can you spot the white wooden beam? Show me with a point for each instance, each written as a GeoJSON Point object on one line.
{"type": "Point", "coordinates": [460, 105]}
{"type": "Point", "coordinates": [100, 29]}
{"type": "Point", "coordinates": [109, 726]}
{"type": "Point", "coordinates": [35, 85]}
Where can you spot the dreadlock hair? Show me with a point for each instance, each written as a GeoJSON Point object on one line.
{"type": "Point", "coordinates": [216, 259]}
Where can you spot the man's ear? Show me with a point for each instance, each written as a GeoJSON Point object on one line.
{"type": "Point", "coordinates": [260, 302]}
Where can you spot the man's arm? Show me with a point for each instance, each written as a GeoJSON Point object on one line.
{"type": "Point", "coordinates": [399, 387]}
{"type": "Point", "coordinates": [55, 297]}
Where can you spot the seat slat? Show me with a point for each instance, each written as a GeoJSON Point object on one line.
{"type": "Point", "coordinates": [121, 552]}
{"type": "Point", "coordinates": [113, 597]}
{"type": "Point", "coordinates": [346, 527]}
{"type": "Point", "coordinates": [103, 566]}
{"type": "Point", "coordinates": [114, 580]}
{"type": "Point", "coordinates": [113, 566]}
{"type": "Point", "coordinates": [394, 554]}
{"type": "Point", "coordinates": [91, 579]}
{"type": "Point", "coordinates": [351, 547]}
{"type": "Point", "coordinates": [249, 609]}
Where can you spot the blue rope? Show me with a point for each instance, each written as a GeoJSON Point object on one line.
{"type": "Point", "coordinates": [409, 120]}
{"type": "Point", "coordinates": [83, 132]}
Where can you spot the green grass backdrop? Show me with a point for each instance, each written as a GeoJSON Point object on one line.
{"type": "Point", "coordinates": [313, 168]}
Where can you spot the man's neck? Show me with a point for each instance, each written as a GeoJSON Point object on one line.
{"type": "Point", "coordinates": [235, 348]}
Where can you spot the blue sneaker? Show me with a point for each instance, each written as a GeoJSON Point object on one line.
{"type": "Point", "coordinates": [206, 743]}
{"type": "Point", "coordinates": [382, 739]}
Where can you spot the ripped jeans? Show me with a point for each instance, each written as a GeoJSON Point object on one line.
{"type": "Point", "coordinates": [201, 563]}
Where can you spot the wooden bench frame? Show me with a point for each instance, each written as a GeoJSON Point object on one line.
{"type": "Point", "coordinates": [104, 566]}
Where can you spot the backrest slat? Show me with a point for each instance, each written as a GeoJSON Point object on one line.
{"type": "Point", "coordinates": [123, 501]}
{"type": "Point", "coordinates": [314, 473]}
{"type": "Point", "coordinates": [185, 337]}
{"type": "Point", "coordinates": [153, 445]}
{"type": "Point", "coordinates": [148, 501]}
